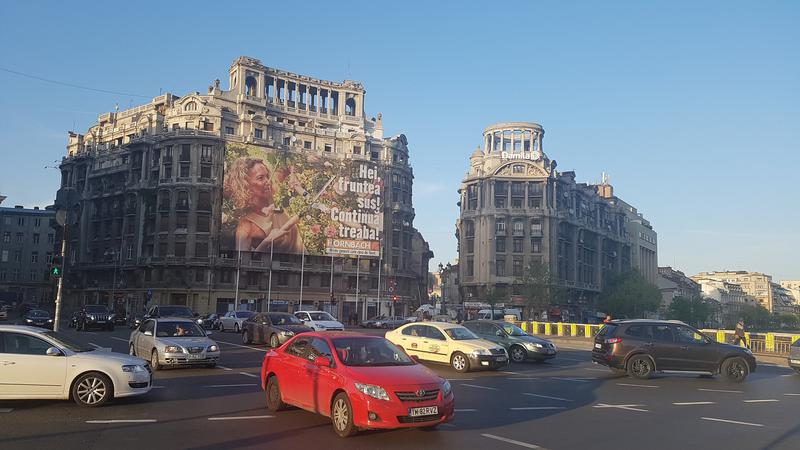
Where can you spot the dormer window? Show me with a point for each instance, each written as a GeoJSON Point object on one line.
{"type": "Point", "coordinates": [191, 106]}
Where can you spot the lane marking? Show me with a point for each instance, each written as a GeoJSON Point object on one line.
{"type": "Point", "coordinates": [466, 410]}
{"type": "Point", "coordinates": [720, 390]}
{"type": "Point", "coordinates": [123, 421]}
{"type": "Point", "coordinates": [766, 400]}
{"type": "Point", "coordinates": [119, 339]}
{"type": "Point", "coordinates": [522, 378]}
{"type": "Point", "coordinates": [244, 346]}
{"type": "Point", "coordinates": [460, 379]}
{"type": "Point", "coordinates": [735, 422]}
{"type": "Point", "coordinates": [248, 374]}
{"type": "Point", "coordinates": [692, 403]}
{"type": "Point", "coordinates": [535, 408]}
{"type": "Point", "coordinates": [577, 380]}
{"type": "Point", "coordinates": [6, 410]}
{"type": "Point", "coordinates": [224, 368]}
{"type": "Point", "coordinates": [792, 394]}
{"type": "Point", "coordinates": [480, 387]}
{"type": "Point", "coordinates": [597, 370]}
{"type": "Point", "coordinates": [625, 407]}
{"type": "Point", "coordinates": [97, 347]}
{"type": "Point", "coordinates": [512, 441]}
{"type": "Point", "coordinates": [508, 373]}
{"type": "Point", "coordinates": [788, 375]}
{"type": "Point", "coordinates": [547, 396]}
{"type": "Point", "coordinates": [638, 385]}
{"type": "Point", "coordinates": [571, 359]}
{"type": "Point", "coordinates": [229, 385]}
{"type": "Point", "coordinates": [157, 387]}
{"type": "Point", "coordinates": [241, 417]}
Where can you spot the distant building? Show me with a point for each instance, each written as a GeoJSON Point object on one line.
{"type": "Point", "coordinates": [793, 286]}
{"type": "Point", "coordinates": [674, 283]}
{"type": "Point", "coordinates": [730, 296]}
{"type": "Point", "coordinates": [27, 244]}
{"type": "Point", "coordinates": [755, 284]}
{"type": "Point", "coordinates": [784, 300]}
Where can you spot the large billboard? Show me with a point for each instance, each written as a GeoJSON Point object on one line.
{"type": "Point", "coordinates": [300, 203]}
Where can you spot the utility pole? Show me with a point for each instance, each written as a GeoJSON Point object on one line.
{"type": "Point", "coordinates": [61, 219]}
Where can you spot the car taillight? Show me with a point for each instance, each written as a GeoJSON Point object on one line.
{"type": "Point", "coordinates": [614, 341]}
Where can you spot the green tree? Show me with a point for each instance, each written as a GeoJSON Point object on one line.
{"type": "Point", "coordinates": [694, 311]}
{"type": "Point", "coordinates": [540, 288]}
{"type": "Point", "coordinates": [494, 296]}
{"type": "Point", "coordinates": [628, 294]}
{"type": "Point", "coordinates": [756, 317]}
{"type": "Point", "coordinates": [787, 320]}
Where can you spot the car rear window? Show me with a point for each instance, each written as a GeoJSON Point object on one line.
{"type": "Point", "coordinates": [608, 330]}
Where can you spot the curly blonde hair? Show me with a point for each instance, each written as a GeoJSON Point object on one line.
{"type": "Point", "coordinates": [236, 185]}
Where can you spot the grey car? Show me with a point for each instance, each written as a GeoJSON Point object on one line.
{"type": "Point", "coordinates": [172, 342]}
{"type": "Point", "coordinates": [274, 328]}
{"type": "Point", "coordinates": [794, 356]}
{"type": "Point", "coordinates": [520, 345]}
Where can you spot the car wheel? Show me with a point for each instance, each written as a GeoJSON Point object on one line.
{"type": "Point", "coordinates": [92, 389]}
{"type": "Point", "coordinates": [132, 350]}
{"type": "Point", "coordinates": [154, 360]}
{"type": "Point", "coordinates": [342, 416]}
{"type": "Point", "coordinates": [246, 338]}
{"type": "Point", "coordinates": [517, 353]}
{"type": "Point", "coordinates": [236, 328]}
{"type": "Point", "coordinates": [274, 400]}
{"type": "Point", "coordinates": [460, 362]}
{"type": "Point", "coordinates": [221, 327]}
{"type": "Point", "coordinates": [735, 369]}
{"type": "Point", "coordinates": [641, 367]}
{"type": "Point", "coordinates": [274, 342]}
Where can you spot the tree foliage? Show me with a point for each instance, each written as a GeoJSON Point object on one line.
{"type": "Point", "coordinates": [540, 288]}
{"type": "Point", "coordinates": [494, 296]}
{"type": "Point", "coordinates": [629, 295]}
{"type": "Point", "coordinates": [695, 311]}
{"type": "Point", "coordinates": [756, 317]}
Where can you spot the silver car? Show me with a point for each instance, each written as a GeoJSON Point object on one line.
{"type": "Point", "coordinates": [173, 341]}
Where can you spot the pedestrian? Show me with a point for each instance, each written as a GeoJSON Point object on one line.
{"type": "Point", "coordinates": [608, 319]}
{"type": "Point", "coordinates": [739, 333]}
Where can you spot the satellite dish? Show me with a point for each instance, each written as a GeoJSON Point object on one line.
{"type": "Point", "coordinates": [61, 217]}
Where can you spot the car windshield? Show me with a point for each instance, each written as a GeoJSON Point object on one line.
{"type": "Point", "coordinates": [460, 334]}
{"type": "Point", "coordinates": [370, 352]}
{"type": "Point", "coordinates": [96, 309]}
{"type": "Point", "coordinates": [284, 319]}
{"type": "Point", "coordinates": [513, 330]}
{"type": "Point", "coordinates": [38, 313]}
{"type": "Point", "coordinates": [321, 316]}
{"type": "Point", "coordinates": [178, 329]}
{"type": "Point", "coordinates": [245, 314]}
{"type": "Point", "coordinates": [175, 311]}
{"type": "Point", "coordinates": [64, 341]}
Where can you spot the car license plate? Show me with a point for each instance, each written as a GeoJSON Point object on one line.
{"type": "Point", "coordinates": [425, 411]}
{"type": "Point", "coordinates": [197, 356]}
{"type": "Point", "coordinates": [501, 358]}
{"type": "Point", "coordinates": [795, 361]}
{"type": "Point", "coordinates": [101, 321]}
{"type": "Point", "coordinates": [598, 346]}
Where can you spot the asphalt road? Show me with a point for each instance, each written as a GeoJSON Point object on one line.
{"type": "Point", "coordinates": [567, 403]}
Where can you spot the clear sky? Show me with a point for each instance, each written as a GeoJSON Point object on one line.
{"type": "Point", "coordinates": [693, 108]}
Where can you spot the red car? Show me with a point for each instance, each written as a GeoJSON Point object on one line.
{"type": "Point", "coordinates": [359, 381]}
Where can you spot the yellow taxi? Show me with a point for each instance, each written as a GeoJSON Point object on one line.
{"type": "Point", "coordinates": [448, 343]}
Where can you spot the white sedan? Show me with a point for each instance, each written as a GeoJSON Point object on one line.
{"type": "Point", "coordinates": [233, 320]}
{"type": "Point", "coordinates": [319, 320]}
{"type": "Point", "coordinates": [37, 363]}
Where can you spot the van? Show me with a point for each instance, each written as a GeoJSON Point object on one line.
{"type": "Point", "coordinates": [499, 314]}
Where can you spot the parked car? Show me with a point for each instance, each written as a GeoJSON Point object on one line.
{"type": "Point", "coordinates": [3, 314]}
{"type": "Point", "coordinates": [233, 320]}
{"type": "Point", "coordinates": [73, 320]}
{"type": "Point", "coordinates": [319, 320]}
{"type": "Point", "coordinates": [520, 345]}
{"type": "Point", "coordinates": [370, 323]}
{"type": "Point", "coordinates": [38, 318]}
{"type": "Point", "coordinates": [173, 341]}
{"type": "Point", "coordinates": [448, 343]}
{"type": "Point", "coordinates": [185, 312]}
{"type": "Point", "coordinates": [4, 306]}
{"type": "Point", "coordinates": [391, 322]}
{"type": "Point", "coordinates": [274, 328]}
{"type": "Point", "coordinates": [644, 347]}
{"type": "Point", "coordinates": [411, 319]}
{"type": "Point", "coordinates": [361, 382]}
{"type": "Point", "coordinates": [210, 321]}
{"type": "Point", "coordinates": [135, 320]}
{"type": "Point", "coordinates": [794, 356]}
{"type": "Point", "coordinates": [94, 316]}
{"type": "Point", "coordinates": [43, 364]}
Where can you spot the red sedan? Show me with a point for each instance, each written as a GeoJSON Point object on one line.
{"type": "Point", "coordinates": [359, 381]}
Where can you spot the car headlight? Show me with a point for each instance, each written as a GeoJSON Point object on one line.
{"type": "Point", "coordinates": [28, 320]}
{"type": "Point", "coordinates": [134, 368]}
{"type": "Point", "coordinates": [173, 349]}
{"type": "Point", "coordinates": [321, 326]}
{"type": "Point", "coordinates": [50, 320]}
{"type": "Point", "coordinates": [200, 321]}
{"type": "Point", "coordinates": [213, 348]}
{"type": "Point", "coordinates": [480, 352]}
{"type": "Point", "coordinates": [446, 388]}
{"type": "Point", "coordinates": [373, 391]}
{"type": "Point", "coordinates": [533, 346]}
{"type": "Point", "coordinates": [287, 333]}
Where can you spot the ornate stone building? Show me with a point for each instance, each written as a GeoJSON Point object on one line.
{"type": "Point", "coordinates": [756, 285]}
{"type": "Point", "coordinates": [517, 209]}
{"type": "Point", "coordinates": [26, 250]}
{"type": "Point", "coordinates": [144, 191]}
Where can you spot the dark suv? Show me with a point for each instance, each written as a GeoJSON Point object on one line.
{"type": "Point", "coordinates": [643, 347]}
{"type": "Point", "coordinates": [94, 316]}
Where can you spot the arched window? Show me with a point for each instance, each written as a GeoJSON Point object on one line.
{"type": "Point", "coordinates": [183, 201]}
{"type": "Point", "coordinates": [250, 85]}
{"type": "Point", "coordinates": [191, 106]}
{"type": "Point", "coordinates": [350, 107]}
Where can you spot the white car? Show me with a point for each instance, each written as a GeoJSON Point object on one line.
{"type": "Point", "coordinates": [37, 363]}
{"type": "Point", "coordinates": [319, 320]}
{"type": "Point", "coordinates": [173, 341]}
{"type": "Point", "coordinates": [233, 320]}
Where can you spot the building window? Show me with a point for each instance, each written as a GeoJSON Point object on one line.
{"type": "Point", "coordinates": [203, 224]}
{"type": "Point", "coordinates": [500, 268]}
{"type": "Point", "coordinates": [325, 281]}
{"type": "Point", "coordinates": [34, 257]}
{"type": "Point", "coordinates": [201, 249]}
{"type": "Point", "coordinates": [36, 237]}
{"type": "Point", "coordinates": [208, 126]}
{"type": "Point", "coordinates": [181, 221]}
{"type": "Point", "coordinates": [191, 106]}
{"type": "Point", "coordinates": [356, 149]}
{"type": "Point", "coordinates": [283, 279]}
{"type": "Point", "coordinates": [205, 153]}
{"type": "Point", "coordinates": [500, 245]}
{"type": "Point", "coordinates": [4, 257]}
{"type": "Point", "coordinates": [184, 171]}
{"type": "Point", "coordinates": [180, 249]}
{"type": "Point", "coordinates": [50, 238]}
{"type": "Point", "coordinates": [3, 275]}
{"type": "Point", "coordinates": [518, 245]}
{"type": "Point", "coordinates": [517, 267]}
{"type": "Point", "coordinates": [34, 275]}
{"type": "Point", "coordinates": [470, 245]}
{"type": "Point", "coordinates": [500, 226]}
{"type": "Point", "coordinates": [37, 222]}
{"type": "Point", "coordinates": [518, 168]}
{"type": "Point", "coordinates": [536, 245]}
{"type": "Point", "coordinates": [536, 226]}
{"type": "Point", "coordinates": [17, 256]}
{"type": "Point", "coordinates": [519, 228]}
{"type": "Point", "coordinates": [6, 237]}
{"type": "Point", "coordinates": [306, 145]}
{"type": "Point", "coordinates": [328, 148]}
{"type": "Point", "coordinates": [20, 238]}
{"type": "Point", "coordinates": [469, 269]}
{"type": "Point", "coordinates": [287, 140]}
{"type": "Point", "coordinates": [229, 130]}
{"type": "Point", "coordinates": [21, 221]}
{"type": "Point", "coordinates": [259, 133]}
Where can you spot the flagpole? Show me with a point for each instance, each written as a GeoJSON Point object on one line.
{"type": "Point", "coordinates": [358, 276]}
{"type": "Point", "coordinates": [238, 268]}
{"type": "Point", "coordinates": [380, 263]}
{"type": "Point", "coordinates": [331, 285]}
{"type": "Point", "coordinates": [269, 289]}
{"type": "Point", "coordinates": [302, 269]}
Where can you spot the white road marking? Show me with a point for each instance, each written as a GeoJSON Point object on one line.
{"type": "Point", "coordinates": [119, 339]}
{"type": "Point", "coordinates": [466, 410]}
{"type": "Point", "coordinates": [638, 385]}
{"type": "Point", "coordinates": [244, 346]}
{"type": "Point", "coordinates": [241, 417]}
{"type": "Point", "coordinates": [625, 407]}
{"type": "Point", "coordinates": [123, 421]}
{"type": "Point", "coordinates": [105, 349]}
{"type": "Point", "coordinates": [597, 370]}
{"type": "Point", "coordinates": [535, 408]}
{"type": "Point", "coordinates": [248, 374]}
{"type": "Point", "coordinates": [158, 387]}
{"type": "Point", "coordinates": [788, 375]}
{"type": "Point", "coordinates": [577, 380]}
{"type": "Point", "coordinates": [480, 387]}
{"type": "Point", "coordinates": [512, 441]}
{"type": "Point", "coordinates": [547, 396]}
{"type": "Point", "coordinates": [720, 390]}
{"type": "Point", "coordinates": [735, 422]}
{"type": "Point", "coordinates": [224, 368]}
{"type": "Point", "coordinates": [792, 394]}
{"type": "Point", "coordinates": [229, 385]}
{"type": "Point", "coordinates": [6, 410]}
{"type": "Point", "coordinates": [460, 379]}
{"type": "Point", "coordinates": [522, 378]}
{"type": "Point", "coordinates": [692, 403]}
{"type": "Point", "coordinates": [766, 400]}
{"type": "Point", "coordinates": [508, 373]}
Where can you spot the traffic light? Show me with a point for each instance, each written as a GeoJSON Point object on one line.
{"type": "Point", "coordinates": [56, 267]}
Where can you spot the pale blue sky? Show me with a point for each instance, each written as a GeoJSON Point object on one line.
{"type": "Point", "coordinates": [685, 104]}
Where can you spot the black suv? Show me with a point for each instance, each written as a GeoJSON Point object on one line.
{"type": "Point", "coordinates": [94, 316]}
{"type": "Point", "coordinates": [643, 347]}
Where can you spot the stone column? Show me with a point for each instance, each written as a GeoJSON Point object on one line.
{"type": "Point", "coordinates": [275, 90]}
{"type": "Point", "coordinates": [329, 103]}
{"type": "Point", "coordinates": [513, 141]}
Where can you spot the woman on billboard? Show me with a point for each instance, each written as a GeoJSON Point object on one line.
{"type": "Point", "coordinates": [248, 183]}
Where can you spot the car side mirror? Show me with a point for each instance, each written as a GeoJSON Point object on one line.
{"type": "Point", "coordinates": [52, 351]}
{"type": "Point", "coordinates": [148, 333]}
{"type": "Point", "coordinates": [500, 333]}
{"type": "Point", "coordinates": [322, 361]}
{"type": "Point", "coordinates": [414, 358]}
